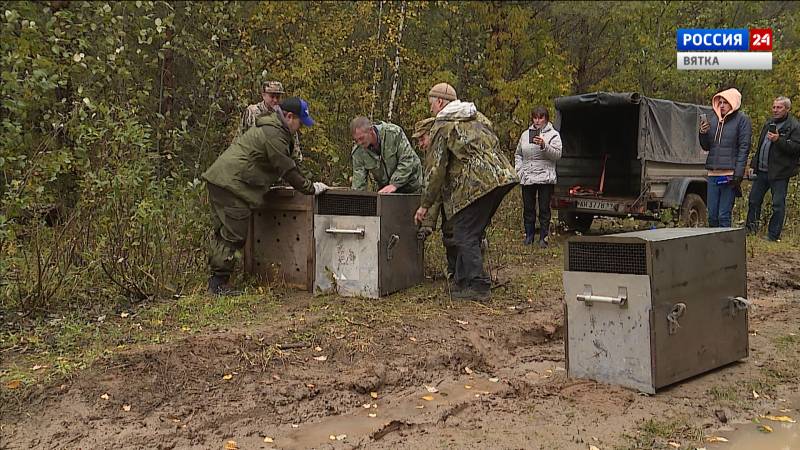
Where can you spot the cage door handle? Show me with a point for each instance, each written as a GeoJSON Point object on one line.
{"type": "Point", "coordinates": [588, 298]}
{"type": "Point", "coordinates": [390, 247]}
{"type": "Point", "coordinates": [358, 231]}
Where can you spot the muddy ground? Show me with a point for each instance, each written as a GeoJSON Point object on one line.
{"type": "Point", "coordinates": [361, 369]}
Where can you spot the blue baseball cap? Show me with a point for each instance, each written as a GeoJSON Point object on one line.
{"type": "Point", "coordinates": [298, 106]}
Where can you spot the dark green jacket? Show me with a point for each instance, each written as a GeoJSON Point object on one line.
{"type": "Point", "coordinates": [397, 163]}
{"type": "Point", "coordinates": [256, 160]}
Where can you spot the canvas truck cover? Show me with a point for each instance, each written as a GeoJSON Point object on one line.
{"type": "Point", "coordinates": [667, 130]}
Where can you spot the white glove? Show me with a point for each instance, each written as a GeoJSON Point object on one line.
{"type": "Point", "coordinates": [319, 187]}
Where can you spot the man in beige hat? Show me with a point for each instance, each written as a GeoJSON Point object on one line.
{"type": "Point", "coordinates": [470, 176]}
{"type": "Point", "coordinates": [271, 94]}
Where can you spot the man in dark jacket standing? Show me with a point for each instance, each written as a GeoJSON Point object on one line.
{"type": "Point", "coordinates": [727, 154]}
{"type": "Point", "coordinates": [239, 178]}
{"type": "Point", "coordinates": [775, 161]}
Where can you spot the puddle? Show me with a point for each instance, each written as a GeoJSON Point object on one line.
{"type": "Point", "coordinates": [784, 436]}
{"type": "Point", "coordinates": [384, 413]}
{"type": "Point", "coordinates": [747, 436]}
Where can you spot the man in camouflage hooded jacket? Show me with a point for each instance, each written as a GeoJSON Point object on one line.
{"type": "Point", "coordinates": [470, 176]}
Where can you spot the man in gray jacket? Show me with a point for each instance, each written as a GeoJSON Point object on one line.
{"type": "Point", "coordinates": [775, 161]}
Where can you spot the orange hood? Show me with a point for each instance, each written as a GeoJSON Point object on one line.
{"type": "Point", "coordinates": [732, 96]}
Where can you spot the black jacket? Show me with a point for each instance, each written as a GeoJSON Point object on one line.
{"type": "Point", "coordinates": [784, 154]}
{"type": "Point", "coordinates": [728, 143]}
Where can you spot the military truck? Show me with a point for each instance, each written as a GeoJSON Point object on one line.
{"type": "Point", "coordinates": [629, 155]}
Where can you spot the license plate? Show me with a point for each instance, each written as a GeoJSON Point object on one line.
{"type": "Point", "coordinates": [595, 204]}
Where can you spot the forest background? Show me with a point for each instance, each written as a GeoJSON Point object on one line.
{"type": "Point", "coordinates": [111, 110]}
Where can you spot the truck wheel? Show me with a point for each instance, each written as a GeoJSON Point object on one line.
{"type": "Point", "coordinates": [693, 212]}
{"type": "Point", "coordinates": [581, 222]}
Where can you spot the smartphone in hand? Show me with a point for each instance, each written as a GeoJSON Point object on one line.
{"type": "Point", "coordinates": [772, 128]}
{"type": "Point", "coordinates": [532, 134]}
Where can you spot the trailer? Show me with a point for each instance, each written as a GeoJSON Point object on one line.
{"type": "Point", "coordinates": [629, 155]}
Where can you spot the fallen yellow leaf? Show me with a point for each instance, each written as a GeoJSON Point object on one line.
{"type": "Point", "coordinates": [126, 408]}
{"type": "Point", "coordinates": [105, 396]}
{"type": "Point", "coordinates": [468, 370]}
{"type": "Point", "coordinates": [715, 439]}
{"type": "Point", "coordinates": [593, 447]}
{"type": "Point", "coordinates": [674, 444]}
{"type": "Point", "coordinates": [231, 445]}
{"type": "Point", "coordinates": [420, 406]}
{"type": "Point", "coordinates": [462, 322]}
{"type": "Point", "coordinates": [37, 367]}
{"type": "Point", "coordinates": [431, 389]}
{"type": "Point", "coordinates": [269, 440]}
{"type": "Point", "coordinates": [765, 428]}
{"type": "Point", "coordinates": [332, 437]}
{"type": "Point", "coordinates": [341, 437]}
{"type": "Point", "coordinates": [365, 405]}
{"type": "Point", "coordinates": [412, 339]}
{"type": "Point", "coordinates": [321, 358]}
{"type": "Point", "coordinates": [14, 384]}
{"type": "Point", "coordinates": [373, 394]}
{"type": "Point", "coordinates": [466, 386]}
{"type": "Point", "coordinates": [317, 349]}
{"type": "Point", "coordinates": [755, 395]}
{"type": "Point", "coordinates": [372, 415]}
{"type": "Point", "coordinates": [227, 377]}
{"type": "Point", "coordinates": [494, 380]}
{"type": "Point", "coordinates": [427, 397]}
{"type": "Point", "coordinates": [780, 419]}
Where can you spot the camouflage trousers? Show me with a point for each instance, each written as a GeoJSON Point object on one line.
{"type": "Point", "coordinates": [230, 220]}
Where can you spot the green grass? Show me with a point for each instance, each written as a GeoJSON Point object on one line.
{"type": "Point", "coordinates": [74, 341]}
{"type": "Point", "coordinates": [724, 393]}
{"type": "Point", "coordinates": [655, 433]}
{"type": "Point", "coordinates": [787, 344]}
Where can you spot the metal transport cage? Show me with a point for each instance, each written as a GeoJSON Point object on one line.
{"type": "Point", "coordinates": [366, 243]}
{"type": "Point", "coordinates": [352, 242]}
{"type": "Point", "coordinates": [651, 308]}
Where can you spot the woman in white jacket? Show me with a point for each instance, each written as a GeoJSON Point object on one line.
{"type": "Point", "coordinates": [538, 150]}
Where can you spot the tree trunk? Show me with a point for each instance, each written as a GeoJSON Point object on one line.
{"type": "Point", "coordinates": [396, 77]}
{"type": "Point", "coordinates": [375, 65]}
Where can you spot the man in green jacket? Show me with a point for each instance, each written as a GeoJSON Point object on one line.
{"type": "Point", "coordinates": [382, 151]}
{"type": "Point", "coordinates": [470, 176]}
{"type": "Point", "coordinates": [243, 174]}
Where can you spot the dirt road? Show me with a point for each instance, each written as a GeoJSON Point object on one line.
{"type": "Point", "coordinates": [410, 371]}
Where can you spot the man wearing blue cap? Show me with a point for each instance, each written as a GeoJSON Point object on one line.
{"type": "Point", "coordinates": [239, 178]}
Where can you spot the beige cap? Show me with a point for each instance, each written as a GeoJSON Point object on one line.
{"type": "Point", "coordinates": [273, 87]}
{"type": "Point", "coordinates": [443, 91]}
{"type": "Point", "coordinates": [422, 127]}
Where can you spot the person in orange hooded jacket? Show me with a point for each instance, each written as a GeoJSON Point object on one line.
{"type": "Point", "coordinates": [727, 147]}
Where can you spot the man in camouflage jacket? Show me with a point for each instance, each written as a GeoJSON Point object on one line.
{"type": "Point", "coordinates": [238, 180]}
{"type": "Point", "coordinates": [271, 94]}
{"type": "Point", "coordinates": [470, 176]}
{"type": "Point", "coordinates": [422, 135]}
{"type": "Point", "coordinates": [383, 152]}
